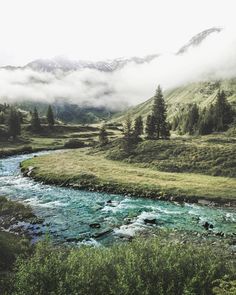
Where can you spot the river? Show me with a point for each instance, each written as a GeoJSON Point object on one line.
{"type": "Point", "coordinates": [75, 216]}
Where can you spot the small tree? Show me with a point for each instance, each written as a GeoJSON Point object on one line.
{"type": "Point", "coordinates": [138, 127]}
{"type": "Point", "coordinates": [103, 136]}
{"type": "Point", "coordinates": [50, 116]}
{"type": "Point", "coordinates": [150, 128]}
{"type": "Point", "coordinates": [14, 125]}
{"type": "Point", "coordinates": [35, 121]}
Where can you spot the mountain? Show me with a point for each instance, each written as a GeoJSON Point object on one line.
{"type": "Point", "coordinates": [202, 93]}
{"type": "Point", "coordinates": [65, 64]}
{"type": "Point", "coordinates": [198, 39]}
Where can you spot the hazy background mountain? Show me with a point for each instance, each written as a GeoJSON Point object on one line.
{"type": "Point", "coordinates": [98, 89]}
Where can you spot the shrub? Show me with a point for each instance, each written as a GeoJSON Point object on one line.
{"type": "Point", "coordinates": [73, 144]}
{"type": "Point", "coordinates": [150, 266]}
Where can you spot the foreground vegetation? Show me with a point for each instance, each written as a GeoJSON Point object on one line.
{"type": "Point", "coordinates": [144, 266]}
{"type": "Point", "coordinates": [86, 169]}
{"type": "Point", "coordinates": [168, 264]}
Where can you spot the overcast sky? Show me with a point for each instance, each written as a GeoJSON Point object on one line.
{"type": "Point", "coordinates": [103, 29]}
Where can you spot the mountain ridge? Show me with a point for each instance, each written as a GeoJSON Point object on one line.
{"type": "Point", "coordinates": [65, 64]}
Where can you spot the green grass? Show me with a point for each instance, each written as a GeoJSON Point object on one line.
{"type": "Point", "coordinates": [89, 170]}
{"type": "Point", "coordinates": [52, 138]}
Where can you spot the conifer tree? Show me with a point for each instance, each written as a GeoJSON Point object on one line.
{"type": "Point", "coordinates": [150, 127]}
{"type": "Point", "coordinates": [35, 121]}
{"type": "Point", "coordinates": [192, 119]}
{"type": "Point", "coordinates": [50, 116]}
{"type": "Point", "coordinates": [103, 136]}
{"type": "Point", "coordinates": [223, 112]}
{"type": "Point", "coordinates": [159, 114]}
{"type": "Point", "coordinates": [138, 127]}
{"type": "Point", "coordinates": [128, 134]}
{"type": "Point", "coordinates": [14, 124]}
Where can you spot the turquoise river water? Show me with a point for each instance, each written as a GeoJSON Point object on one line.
{"type": "Point", "coordinates": [75, 216]}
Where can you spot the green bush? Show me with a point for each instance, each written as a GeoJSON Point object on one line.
{"type": "Point", "coordinates": [74, 143]}
{"type": "Point", "coordinates": [150, 266]}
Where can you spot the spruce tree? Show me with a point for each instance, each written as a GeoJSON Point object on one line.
{"type": "Point", "coordinates": [150, 127]}
{"type": "Point", "coordinates": [159, 114]}
{"type": "Point", "coordinates": [223, 112]}
{"type": "Point", "coordinates": [14, 124]}
{"type": "Point", "coordinates": [192, 119]}
{"type": "Point", "coordinates": [35, 121]}
{"type": "Point", "coordinates": [103, 136]}
{"type": "Point", "coordinates": [50, 116]}
{"type": "Point", "coordinates": [138, 127]}
{"type": "Point", "coordinates": [128, 135]}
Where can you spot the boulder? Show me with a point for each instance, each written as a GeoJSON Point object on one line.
{"type": "Point", "coordinates": [150, 220]}
{"type": "Point", "coordinates": [208, 225]}
{"type": "Point", "coordinates": [95, 225]}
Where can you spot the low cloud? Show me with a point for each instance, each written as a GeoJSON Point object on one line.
{"type": "Point", "coordinates": [214, 59]}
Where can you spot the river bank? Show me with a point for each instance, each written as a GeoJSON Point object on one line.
{"type": "Point", "coordinates": [80, 169]}
{"type": "Point", "coordinates": [17, 218]}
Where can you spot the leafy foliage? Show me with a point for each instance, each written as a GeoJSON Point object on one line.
{"type": "Point", "coordinates": [150, 266]}
{"type": "Point", "coordinates": [74, 143]}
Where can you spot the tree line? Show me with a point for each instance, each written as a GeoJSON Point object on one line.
{"type": "Point", "coordinates": [191, 119]}
{"type": "Point", "coordinates": [215, 118]}
{"type": "Point", "coordinates": [156, 126]}
{"type": "Point", "coordinates": [14, 121]}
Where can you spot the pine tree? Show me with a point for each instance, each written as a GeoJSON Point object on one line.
{"type": "Point", "coordinates": [150, 127]}
{"type": "Point", "coordinates": [206, 121]}
{"type": "Point", "coordinates": [35, 121]}
{"type": "Point", "coordinates": [128, 135]}
{"type": "Point", "coordinates": [103, 136]}
{"type": "Point", "coordinates": [223, 112]}
{"type": "Point", "coordinates": [192, 119]}
{"type": "Point", "coordinates": [159, 114]}
{"type": "Point", "coordinates": [50, 116]}
{"type": "Point", "coordinates": [14, 125]}
{"type": "Point", "coordinates": [138, 127]}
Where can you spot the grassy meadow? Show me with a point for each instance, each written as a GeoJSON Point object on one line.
{"type": "Point", "coordinates": [51, 139]}
{"type": "Point", "coordinates": [91, 169]}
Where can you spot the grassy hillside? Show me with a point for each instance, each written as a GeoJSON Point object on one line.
{"type": "Point", "coordinates": [202, 93]}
